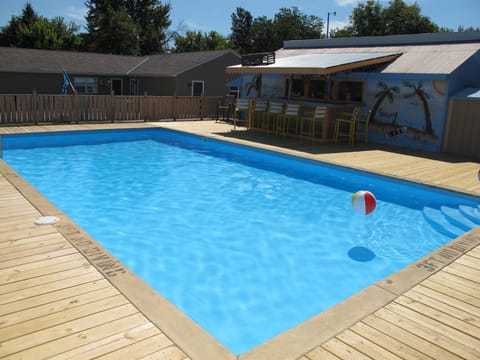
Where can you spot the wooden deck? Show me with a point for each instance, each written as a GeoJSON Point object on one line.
{"type": "Point", "coordinates": [62, 296]}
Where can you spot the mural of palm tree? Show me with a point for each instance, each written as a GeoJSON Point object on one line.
{"type": "Point", "coordinates": [424, 97]}
{"type": "Point", "coordinates": [386, 92]}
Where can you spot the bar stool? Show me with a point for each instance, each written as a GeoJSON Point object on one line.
{"type": "Point", "coordinates": [308, 123]}
{"type": "Point", "coordinates": [346, 127]}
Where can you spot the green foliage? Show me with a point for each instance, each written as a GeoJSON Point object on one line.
{"type": "Point", "coordinates": [263, 34]}
{"type": "Point", "coordinates": [371, 19]}
{"type": "Point", "coordinates": [197, 41]}
{"type": "Point", "coordinates": [241, 30]}
{"type": "Point", "coordinates": [33, 31]}
{"type": "Point", "coordinates": [130, 27]}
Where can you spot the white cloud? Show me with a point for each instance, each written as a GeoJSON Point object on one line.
{"type": "Point", "coordinates": [346, 2]}
{"type": "Point", "coordinates": [76, 13]}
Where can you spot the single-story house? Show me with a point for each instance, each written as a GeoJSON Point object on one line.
{"type": "Point", "coordinates": [178, 74]}
{"type": "Point", "coordinates": [407, 81]}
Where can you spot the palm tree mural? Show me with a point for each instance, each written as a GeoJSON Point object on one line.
{"type": "Point", "coordinates": [385, 92]}
{"type": "Point", "coordinates": [424, 97]}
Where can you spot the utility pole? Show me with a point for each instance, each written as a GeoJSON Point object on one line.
{"type": "Point", "coordinates": [334, 13]}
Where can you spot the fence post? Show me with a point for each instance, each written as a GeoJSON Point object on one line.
{"type": "Point", "coordinates": [112, 106]}
{"type": "Point", "coordinates": [35, 106]}
{"type": "Point", "coordinates": [174, 108]}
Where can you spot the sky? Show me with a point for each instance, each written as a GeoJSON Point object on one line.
{"type": "Point", "coordinates": [208, 15]}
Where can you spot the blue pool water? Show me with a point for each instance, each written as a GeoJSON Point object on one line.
{"type": "Point", "coordinates": [247, 243]}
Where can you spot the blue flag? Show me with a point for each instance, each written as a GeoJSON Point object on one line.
{"type": "Point", "coordinates": [66, 83]}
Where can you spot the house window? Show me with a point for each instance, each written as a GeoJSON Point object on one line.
{"type": "Point", "coordinates": [317, 89]}
{"type": "Point", "coordinates": [85, 85]}
{"type": "Point", "coordinates": [133, 87]}
{"type": "Point", "coordinates": [295, 88]}
{"type": "Point", "coordinates": [197, 88]}
{"type": "Point", "coordinates": [350, 90]}
{"type": "Point", "coordinates": [117, 86]}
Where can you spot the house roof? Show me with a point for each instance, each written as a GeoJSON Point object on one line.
{"type": "Point", "coordinates": [419, 54]}
{"type": "Point", "coordinates": [313, 63]}
{"type": "Point", "coordinates": [20, 60]}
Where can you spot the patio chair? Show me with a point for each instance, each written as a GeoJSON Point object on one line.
{"type": "Point", "coordinates": [362, 126]}
{"type": "Point", "coordinates": [225, 108]}
{"type": "Point", "coordinates": [346, 127]}
{"type": "Point", "coordinates": [260, 114]}
{"type": "Point", "coordinates": [274, 113]}
{"type": "Point", "coordinates": [291, 117]}
{"type": "Point", "coordinates": [311, 123]}
{"type": "Point", "coordinates": [241, 112]}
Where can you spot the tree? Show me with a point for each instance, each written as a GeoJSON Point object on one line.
{"type": "Point", "coordinates": [34, 31]}
{"type": "Point", "coordinates": [366, 19]}
{"type": "Point", "coordinates": [241, 30]}
{"type": "Point", "coordinates": [127, 26]}
{"type": "Point", "coordinates": [370, 19]}
{"type": "Point", "coordinates": [400, 18]}
{"type": "Point", "coordinates": [196, 41]}
{"type": "Point", "coordinates": [49, 34]}
{"type": "Point", "coordinates": [292, 24]}
{"type": "Point", "coordinates": [263, 34]}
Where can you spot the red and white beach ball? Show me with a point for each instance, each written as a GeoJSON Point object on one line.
{"type": "Point", "coordinates": [363, 202]}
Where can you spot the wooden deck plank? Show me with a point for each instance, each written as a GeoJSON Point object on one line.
{"type": "Point", "coordinates": [68, 314]}
{"type": "Point", "coordinates": [25, 271]}
{"type": "Point", "coordinates": [459, 313]}
{"type": "Point", "coordinates": [457, 281]}
{"type": "Point", "coordinates": [49, 297]}
{"type": "Point", "coordinates": [388, 342]}
{"type": "Point", "coordinates": [319, 353]}
{"type": "Point", "coordinates": [141, 348]}
{"type": "Point", "coordinates": [53, 307]}
{"type": "Point", "coordinates": [37, 254]}
{"type": "Point", "coordinates": [459, 343]}
{"type": "Point", "coordinates": [437, 315]}
{"type": "Point", "coordinates": [94, 342]}
{"type": "Point", "coordinates": [446, 299]}
{"type": "Point", "coordinates": [430, 350]}
{"type": "Point", "coordinates": [453, 292]}
{"type": "Point", "coordinates": [365, 346]}
{"type": "Point", "coordinates": [343, 351]}
{"type": "Point", "coordinates": [49, 287]}
{"type": "Point", "coordinates": [47, 334]}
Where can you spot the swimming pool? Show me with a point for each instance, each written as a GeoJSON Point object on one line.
{"type": "Point", "coordinates": [237, 214]}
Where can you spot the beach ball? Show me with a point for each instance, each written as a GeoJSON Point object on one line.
{"type": "Point", "coordinates": [363, 202]}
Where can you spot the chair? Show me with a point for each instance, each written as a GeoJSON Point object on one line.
{"type": "Point", "coordinates": [275, 110]}
{"type": "Point", "coordinates": [292, 112]}
{"type": "Point", "coordinates": [308, 123]}
{"type": "Point", "coordinates": [225, 108]}
{"type": "Point", "coordinates": [362, 126]}
{"type": "Point", "coordinates": [242, 107]}
{"type": "Point", "coordinates": [346, 127]}
{"type": "Point", "coordinates": [260, 114]}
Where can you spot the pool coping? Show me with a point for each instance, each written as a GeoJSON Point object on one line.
{"type": "Point", "coordinates": [198, 343]}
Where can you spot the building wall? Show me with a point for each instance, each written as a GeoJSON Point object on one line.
{"type": "Point", "coordinates": [19, 83]}
{"type": "Point", "coordinates": [161, 86]}
{"type": "Point", "coordinates": [415, 103]}
{"type": "Point", "coordinates": [466, 76]}
{"type": "Point", "coordinates": [15, 83]}
{"type": "Point", "coordinates": [212, 73]}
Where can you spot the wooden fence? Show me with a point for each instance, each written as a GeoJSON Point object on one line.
{"type": "Point", "coordinates": [462, 136]}
{"type": "Point", "coordinates": [36, 109]}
